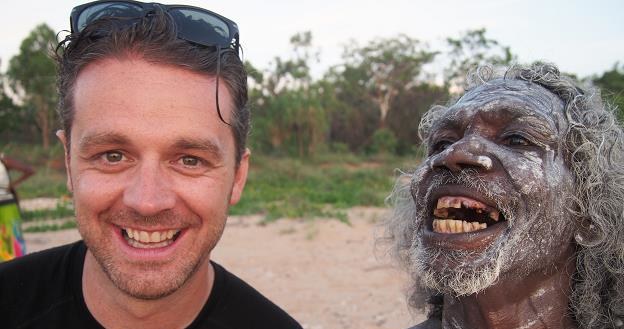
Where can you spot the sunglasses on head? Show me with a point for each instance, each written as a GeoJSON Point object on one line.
{"type": "Point", "coordinates": [194, 24]}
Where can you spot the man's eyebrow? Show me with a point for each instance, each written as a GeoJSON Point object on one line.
{"type": "Point", "coordinates": [100, 139]}
{"type": "Point", "coordinates": [204, 145]}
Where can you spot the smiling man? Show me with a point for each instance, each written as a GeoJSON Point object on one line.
{"type": "Point", "coordinates": [515, 217]}
{"type": "Point", "coordinates": [153, 107]}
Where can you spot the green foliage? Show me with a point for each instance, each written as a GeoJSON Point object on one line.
{"type": "Point", "coordinates": [322, 187]}
{"type": "Point", "coordinates": [49, 178]}
{"type": "Point", "coordinates": [55, 225]}
{"type": "Point", "coordinates": [288, 114]}
{"type": "Point", "coordinates": [384, 142]}
{"type": "Point", "coordinates": [470, 50]}
{"type": "Point", "coordinates": [62, 210]}
{"type": "Point", "coordinates": [612, 86]}
{"type": "Point", "coordinates": [406, 110]}
{"type": "Point", "coordinates": [46, 182]}
{"type": "Point", "coordinates": [388, 66]}
{"type": "Point", "coordinates": [32, 76]}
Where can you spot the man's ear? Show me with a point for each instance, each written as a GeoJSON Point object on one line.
{"type": "Point", "coordinates": [240, 178]}
{"type": "Point", "coordinates": [587, 234]}
{"type": "Point", "coordinates": [64, 139]}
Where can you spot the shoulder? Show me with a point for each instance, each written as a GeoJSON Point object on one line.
{"type": "Point", "coordinates": [429, 324]}
{"type": "Point", "coordinates": [38, 265]}
{"type": "Point", "coordinates": [37, 283]}
{"type": "Point", "coordinates": [235, 304]}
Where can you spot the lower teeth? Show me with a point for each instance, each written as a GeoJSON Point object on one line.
{"type": "Point", "coordinates": [456, 226]}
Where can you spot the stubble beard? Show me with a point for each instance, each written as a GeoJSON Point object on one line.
{"type": "Point", "coordinates": [146, 280]}
{"type": "Point", "coordinates": [464, 272]}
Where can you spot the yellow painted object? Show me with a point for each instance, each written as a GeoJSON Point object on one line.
{"type": "Point", "coordinates": [11, 240]}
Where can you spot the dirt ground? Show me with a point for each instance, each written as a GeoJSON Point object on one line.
{"type": "Point", "coordinates": [325, 273]}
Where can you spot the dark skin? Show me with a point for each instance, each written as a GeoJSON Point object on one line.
{"type": "Point", "coordinates": [507, 135]}
{"type": "Point", "coordinates": [538, 300]}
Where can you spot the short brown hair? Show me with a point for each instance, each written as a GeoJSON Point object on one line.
{"type": "Point", "coordinates": [154, 38]}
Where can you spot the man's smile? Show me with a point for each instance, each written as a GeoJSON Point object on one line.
{"type": "Point", "coordinates": [149, 239]}
{"type": "Point", "coordinates": [462, 218]}
{"type": "Point", "coordinates": [457, 214]}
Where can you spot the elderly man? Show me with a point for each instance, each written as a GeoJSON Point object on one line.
{"type": "Point", "coordinates": [153, 106]}
{"type": "Point", "coordinates": [515, 217]}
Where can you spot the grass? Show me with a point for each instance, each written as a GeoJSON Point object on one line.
{"type": "Point", "coordinates": [320, 187]}
{"type": "Point", "coordinates": [277, 187]}
{"type": "Point", "coordinates": [55, 225]}
{"type": "Point", "coordinates": [49, 178]}
{"type": "Point", "coordinates": [62, 210]}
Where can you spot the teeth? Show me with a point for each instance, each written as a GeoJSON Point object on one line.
{"type": "Point", "coordinates": [455, 203]}
{"type": "Point", "coordinates": [466, 226]}
{"type": "Point", "coordinates": [446, 202]}
{"type": "Point", "coordinates": [441, 212]}
{"type": "Point", "coordinates": [144, 239]}
{"type": "Point", "coordinates": [456, 226]}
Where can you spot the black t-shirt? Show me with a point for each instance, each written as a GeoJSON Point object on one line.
{"type": "Point", "coordinates": [429, 324]}
{"type": "Point", "coordinates": [44, 290]}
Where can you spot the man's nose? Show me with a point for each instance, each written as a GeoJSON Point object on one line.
{"type": "Point", "coordinates": [149, 191]}
{"type": "Point", "coordinates": [467, 153]}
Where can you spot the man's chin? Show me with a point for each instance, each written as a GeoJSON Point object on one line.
{"type": "Point", "coordinates": [148, 281]}
{"type": "Point", "coordinates": [151, 288]}
{"type": "Point", "coordinates": [456, 273]}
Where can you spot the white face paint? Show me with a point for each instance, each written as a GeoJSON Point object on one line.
{"type": "Point", "coordinates": [499, 145]}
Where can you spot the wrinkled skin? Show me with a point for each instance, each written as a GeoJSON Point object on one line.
{"type": "Point", "coordinates": [499, 145]}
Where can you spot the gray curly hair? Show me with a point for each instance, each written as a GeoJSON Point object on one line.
{"type": "Point", "coordinates": [594, 142]}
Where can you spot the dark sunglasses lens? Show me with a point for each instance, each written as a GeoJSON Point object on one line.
{"type": "Point", "coordinates": [107, 9]}
{"type": "Point", "coordinates": [201, 27]}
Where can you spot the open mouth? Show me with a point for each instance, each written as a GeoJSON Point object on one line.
{"type": "Point", "coordinates": [149, 239]}
{"type": "Point", "coordinates": [455, 214]}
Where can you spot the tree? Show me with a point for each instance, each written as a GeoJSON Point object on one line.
{"type": "Point", "coordinates": [390, 65]}
{"type": "Point", "coordinates": [355, 115]}
{"type": "Point", "coordinates": [287, 103]}
{"type": "Point", "coordinates": [612, 85]}
{"type": "Point", "coordinates": [31, 76]}
{"type": "Point", "coordinates": [470, 50]}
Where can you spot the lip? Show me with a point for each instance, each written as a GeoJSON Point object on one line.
{"type": "Point", "coordinates": [149, 254]}
{"type": "Point", "coordinates": [473, 241]}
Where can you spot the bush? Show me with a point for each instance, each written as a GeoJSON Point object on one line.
{"type": "Point", "coordinates": [384, 142]}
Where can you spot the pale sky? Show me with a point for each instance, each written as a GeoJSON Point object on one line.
{"type": "Point", "coordinates": [582, 37]}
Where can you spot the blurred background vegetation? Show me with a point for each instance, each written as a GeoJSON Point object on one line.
{"type": "Point", "coordinates": [320, 144]}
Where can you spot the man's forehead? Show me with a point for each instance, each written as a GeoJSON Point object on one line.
{"type": "Point", "coordinates": [514, 93]}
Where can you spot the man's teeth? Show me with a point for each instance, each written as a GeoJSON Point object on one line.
{"type": "Point", "coordinates": [144, 239]}
{"type": "Point", "coordinates": [444, 203]}
{"type": "Point", "coordinates": [456, 226]}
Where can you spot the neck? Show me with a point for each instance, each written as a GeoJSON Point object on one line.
{"type": "Point", "coordinates": [113, 308]}
{"type": "Point", "coordinates": [538, 300]}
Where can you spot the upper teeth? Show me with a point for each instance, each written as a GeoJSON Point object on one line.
{"type": "Point", "coordinates": [150, 237]}
{"type": "Point", "coordinates": [443, 223]}
{"type": "Point", "coordinates": [457, 202]}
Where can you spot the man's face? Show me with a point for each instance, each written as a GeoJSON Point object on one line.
{"type": "Point", "coordinates": [152, 170]}
{"type": "Point", "coordinates": [490, 197]}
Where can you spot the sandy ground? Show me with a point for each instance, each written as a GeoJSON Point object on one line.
{"type": "Point", "coordinates": [325, 273]}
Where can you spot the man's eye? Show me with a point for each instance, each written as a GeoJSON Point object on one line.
{"type": "Point", "coordinates": [517, 140]}
{"type": "Point", "coordinates": [441, 146]}
{"type": "Point", "coordinates": [113, 156]}
{"type": "Point", "coordinates": [190, 161]}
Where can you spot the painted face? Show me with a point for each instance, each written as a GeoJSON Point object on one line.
{"type": "Point", "coordinates": [152, 170]}
{"type": "Point", "coordinates": [490, 197]}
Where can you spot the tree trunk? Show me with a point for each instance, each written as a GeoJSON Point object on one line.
{"type": "Point", "coordinates": [43, 118]}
